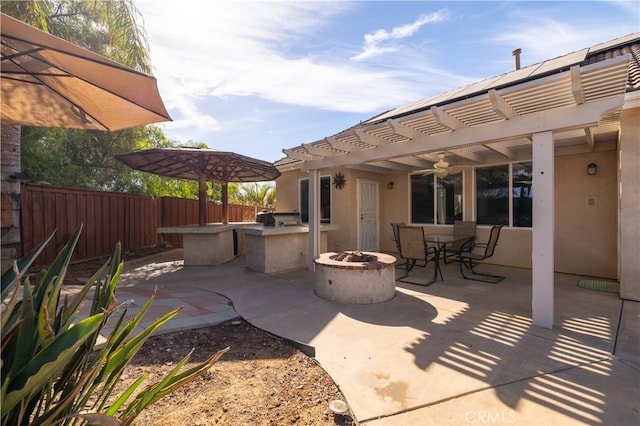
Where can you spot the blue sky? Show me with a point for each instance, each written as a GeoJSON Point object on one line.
{"type": "Point", "coordinates": [257, 77]}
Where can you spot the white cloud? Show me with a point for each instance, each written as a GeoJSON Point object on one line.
{"type": "Point", "coordinates": [205, 49]}
{"type": "Point", "coordinates": [219, 49]}
{"type": "Point", "coordinates": [541, 37]}
{"type": "Point", "coordinates": [372, 41]}
{"type": "Point", "coordinates": [544, 39]}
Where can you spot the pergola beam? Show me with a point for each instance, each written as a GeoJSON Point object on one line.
{"type": "Point", "coordinates": [590, 139]}
{"type": "Point", "coordinates": [341, 145]}
{"type": "Point", "coordinates": [502, 149]}
{"type": "Point", "coordinates": [296, 155]}
{"type": "Point", "coordinates": [392, 165]}
{"type": "Point", "coordinates": [577, 88]}
{"type": "Point", "coordinates": [314, 150]}
{"type": "Point", "coordinates": [466, 153]}
{"type": "Point", "coordinates": [445, 119]}
{"type": "Point", "coordinates": [402, 130]}
{"type": "Point", "coordinates": [364, 137]}
{"type": "Point", "coordinates": [370, 168]}
{"type": "Point", "coordinates": [414, 162]}
{"type": "Point", "coordinates": [500, 106]}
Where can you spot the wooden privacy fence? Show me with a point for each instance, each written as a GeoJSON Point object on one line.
{"type": "Point", "coordinates": [107, 217]}
{"type": "Point", "coordinates": [180, 211]}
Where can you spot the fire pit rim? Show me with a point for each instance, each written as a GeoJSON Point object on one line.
{"type": "Point", "coordinates": [355, 282]}
{"type": "Point", "coordinates": [382, 261]}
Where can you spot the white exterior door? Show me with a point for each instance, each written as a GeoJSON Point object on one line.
{"type": "Point", "coordinates": [368, 221]}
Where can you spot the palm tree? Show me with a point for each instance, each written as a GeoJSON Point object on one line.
{"type": "Point", "coordinates": [253, 194]}
{"type": "Point", "coordinates": [109, 28]}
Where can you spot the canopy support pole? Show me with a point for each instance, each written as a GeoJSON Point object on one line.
{"type": "Point", "coordinates": [543, 230]}
{"type": "Point", "coordinates": [202, 198]}
{"type": "Point", "coordinates": [225, 202]}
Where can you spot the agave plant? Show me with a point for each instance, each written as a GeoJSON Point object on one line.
{"type": "Point", "coordinates": [52, 370]}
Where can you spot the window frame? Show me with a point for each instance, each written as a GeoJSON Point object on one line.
{"type": "Point", "coordinates": [510, 200]}
{"type": "Point", "coordinates": [327, 179]}
{"type": "Point", "coordinates": [434, 185]}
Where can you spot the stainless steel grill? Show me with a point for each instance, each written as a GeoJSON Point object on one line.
{"type": "Point", "coordinates": [278, 219]}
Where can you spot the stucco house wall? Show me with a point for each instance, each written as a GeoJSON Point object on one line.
{"type": "Point", "coordinates": [287, 199]}
{"type": "Point", "coordinates": [629, 213]}
{"type": "Point", "coordinates": [343, 203]}
{"type": "Point", "coordinates": [394, 207]}
{"type": "Point", "coordinates": [586, 218]}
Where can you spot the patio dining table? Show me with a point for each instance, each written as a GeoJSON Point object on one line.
{"type": "Point", "coordinates": [440, 241]}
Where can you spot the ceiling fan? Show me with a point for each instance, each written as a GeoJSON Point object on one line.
{"type": "Point", "coordinates": [441, 168]}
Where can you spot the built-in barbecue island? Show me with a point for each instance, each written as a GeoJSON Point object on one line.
{"type": "Point", "coordinates": [276, 242]}
{"type": "Point", "coordinates": [279, 243]}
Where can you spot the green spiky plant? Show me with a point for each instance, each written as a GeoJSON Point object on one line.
{"type": "Point", "coordinates": [52, 371]}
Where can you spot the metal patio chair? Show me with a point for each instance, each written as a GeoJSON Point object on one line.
{"type": "Point", "coordinates": [451, 251]}
{"type": "Point", "coordinates": [414, 251]}
{"type": "Point", "coordinates": [396, 239]}
{"type": "Point", "coordinates": [469, 260]}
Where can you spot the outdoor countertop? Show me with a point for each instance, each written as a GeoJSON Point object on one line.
{"type": "Point", "coordinates": [210, 228]}
{"type": "Point", "coordinates": [283, 230]}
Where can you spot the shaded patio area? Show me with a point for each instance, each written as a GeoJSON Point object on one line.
{"type": "Point", "coordinates": [455, 352]}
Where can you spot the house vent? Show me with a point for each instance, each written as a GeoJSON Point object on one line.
{"type": "Point", "coordinates": [516, 58]}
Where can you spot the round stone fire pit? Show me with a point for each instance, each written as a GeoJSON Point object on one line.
{"type": "Point", "coordinates": [355, 277]}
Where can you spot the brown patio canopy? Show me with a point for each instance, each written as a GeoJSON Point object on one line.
{"type": "Point", "coordinates": [49, 82]}
{"type": "Point", "coordinates": [202, 165]}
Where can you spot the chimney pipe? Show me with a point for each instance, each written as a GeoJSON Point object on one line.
{"type": "Point", "coordinates": [516, 58]}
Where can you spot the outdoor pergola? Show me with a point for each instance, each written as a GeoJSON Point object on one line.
{"type": "Point", "coordinates": [561, 105]}
{"type": "Point", "coordinates": [202, 165]}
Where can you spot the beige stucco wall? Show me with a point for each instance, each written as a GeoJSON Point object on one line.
{"type": "Point", "coordinates": [343, 204]}
{"type": "Point", "coordinates": [287, 190]}
{"type": "Point", "coordinates": [586, 236]}
{"type": "Point", "coordinates": [629, 230]}
{"type": "Point", "coordinates": [208, 249]}
{"type": "Point", "coordinates": [280, 252]}
{"type": "Point", "coordinates": [394, 208]}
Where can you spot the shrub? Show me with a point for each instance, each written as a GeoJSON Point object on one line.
{"type": "Point", "coordinates": [52, 370]}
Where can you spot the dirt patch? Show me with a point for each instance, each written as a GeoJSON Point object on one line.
{"type": "Point", "coordinates": [261, 380]}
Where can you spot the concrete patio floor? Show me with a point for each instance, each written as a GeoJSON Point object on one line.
{"type": "Point", "coordinates": [456, 352]}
